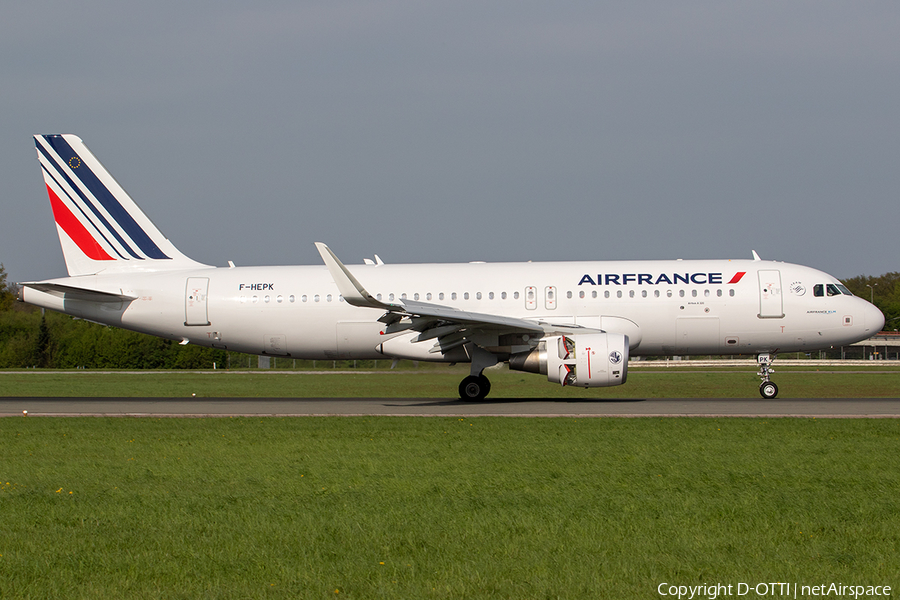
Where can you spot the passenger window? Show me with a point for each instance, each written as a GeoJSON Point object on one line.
{"type": "Point", "coordinates": [594, 294]}
{"type": "Point", "coordinates": [656, 293]}
{"type": "Point", "coordinates": [503, 295]}
{"type": "Point", "coordinates": [643, 293]}
{"type": "Point", "coordinates": [466, 296]}
{"type": "Point", "coordinates": [719, 292]}
{"type": "Point", "coordinates": [453, 296]}
{"type": "Point", "coordinates": [478, 295]}
{"type": "Point", "coordinates": [619, 294]}
{"type": "Point", "coordinates": [515, 295]}
{"type": "Point", "coordinates": [606, 294]}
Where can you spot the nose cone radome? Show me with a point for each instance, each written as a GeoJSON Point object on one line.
{"type": "Point", "coordinates": [874, 318]}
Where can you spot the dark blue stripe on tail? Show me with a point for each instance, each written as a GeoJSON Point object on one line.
{"type": "Point", "coordinates": [62, 174]}
{"type": "Point", "coordinates": [109, 202]}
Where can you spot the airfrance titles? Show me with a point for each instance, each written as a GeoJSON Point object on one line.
{"type": "Point", "coordinates": [658, 279]}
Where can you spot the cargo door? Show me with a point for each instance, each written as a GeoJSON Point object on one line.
{"type": "Point", "coordinates": [357, 338]}
{"type": "Point", "coordinates": [697, 335]}
{"type": "Point", "coordinates": [195, 301]}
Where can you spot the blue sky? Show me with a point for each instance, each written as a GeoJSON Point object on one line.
{"type": "Point", "coordinates": [459, 131]}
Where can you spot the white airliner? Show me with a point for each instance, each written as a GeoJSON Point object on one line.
{"type": "Point", "coordinates": [575, 322]}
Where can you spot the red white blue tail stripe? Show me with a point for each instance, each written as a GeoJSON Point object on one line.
{"type": "Point", "coordinates": [90, 207]}
{"type": "Point", "coordinates": [100, 227]}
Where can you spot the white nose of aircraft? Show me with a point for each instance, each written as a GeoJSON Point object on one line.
{"type": "Point", "coordinates": [873, 318]}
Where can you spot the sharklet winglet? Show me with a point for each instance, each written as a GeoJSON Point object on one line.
{"type": "Point", "coordinates": [351, 289]}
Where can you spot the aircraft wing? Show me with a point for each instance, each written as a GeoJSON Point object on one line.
{"type": "Point", "coordinates": [450, 326]}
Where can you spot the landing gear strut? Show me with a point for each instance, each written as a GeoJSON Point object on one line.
{"type": "Point", "coordinates": [476, 386]}
{"type": "Point", "coordinates": [767, 389]}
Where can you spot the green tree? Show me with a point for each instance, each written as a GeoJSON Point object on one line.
{"type": "Point", "coordinates": [41, 356]}
{"type": "Point", "coordinates": [7, 297]}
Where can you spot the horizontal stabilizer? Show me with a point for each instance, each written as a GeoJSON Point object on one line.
{"type": "Point", "coordinates": [69, 292]}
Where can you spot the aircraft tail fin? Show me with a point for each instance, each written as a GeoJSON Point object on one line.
{"type": "Point", "coordinates": [100, 227]}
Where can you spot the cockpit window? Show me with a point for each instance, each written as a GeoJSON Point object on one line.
{"type": "Point", "coordinates": [830, 289]}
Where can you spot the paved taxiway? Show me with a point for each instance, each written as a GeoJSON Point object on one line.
{"type": "Point", "coordinates": [201, 407]}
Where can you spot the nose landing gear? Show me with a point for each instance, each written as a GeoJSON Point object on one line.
{"type": "Point", "coordinates": [767, 389]}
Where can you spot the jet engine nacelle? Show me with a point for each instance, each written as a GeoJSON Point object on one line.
{"type": "Point", "coordinates": [588, 360]}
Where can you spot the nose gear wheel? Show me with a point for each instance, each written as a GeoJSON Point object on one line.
{"type": "Point", "coordinates": [767, 389]}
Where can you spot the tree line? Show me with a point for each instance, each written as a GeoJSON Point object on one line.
{"type": "Point", "coordinates": [30, 337]}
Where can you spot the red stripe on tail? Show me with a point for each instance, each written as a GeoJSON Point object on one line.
{"type": "Point", "coordinates": [75, 230]}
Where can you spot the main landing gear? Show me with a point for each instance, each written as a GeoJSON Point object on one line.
{"type": "Point", "coordinates": [474, 388]}
{"type": "Point", "coordinates": [767, 389]}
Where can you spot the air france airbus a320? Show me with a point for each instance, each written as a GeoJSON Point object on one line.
{"type": "Point", "coordinates": [575, 322]}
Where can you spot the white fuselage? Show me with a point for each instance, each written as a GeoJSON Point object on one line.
{"type": "Point", "coordinates": [665, 307]}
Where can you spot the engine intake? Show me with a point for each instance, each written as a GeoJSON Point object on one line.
{"type": "Point", "coordinates": [589, 360]}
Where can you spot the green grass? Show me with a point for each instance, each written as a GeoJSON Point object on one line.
{"type": "Point", "coordinates": [385, 507]}
{"type": "Point", "coordinates": [442, 383]}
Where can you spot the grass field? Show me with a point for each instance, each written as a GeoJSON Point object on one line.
{"type": "Point", "coordinates": [373, 507]}
{"type": "Point", "coordinates": [442, 382]}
